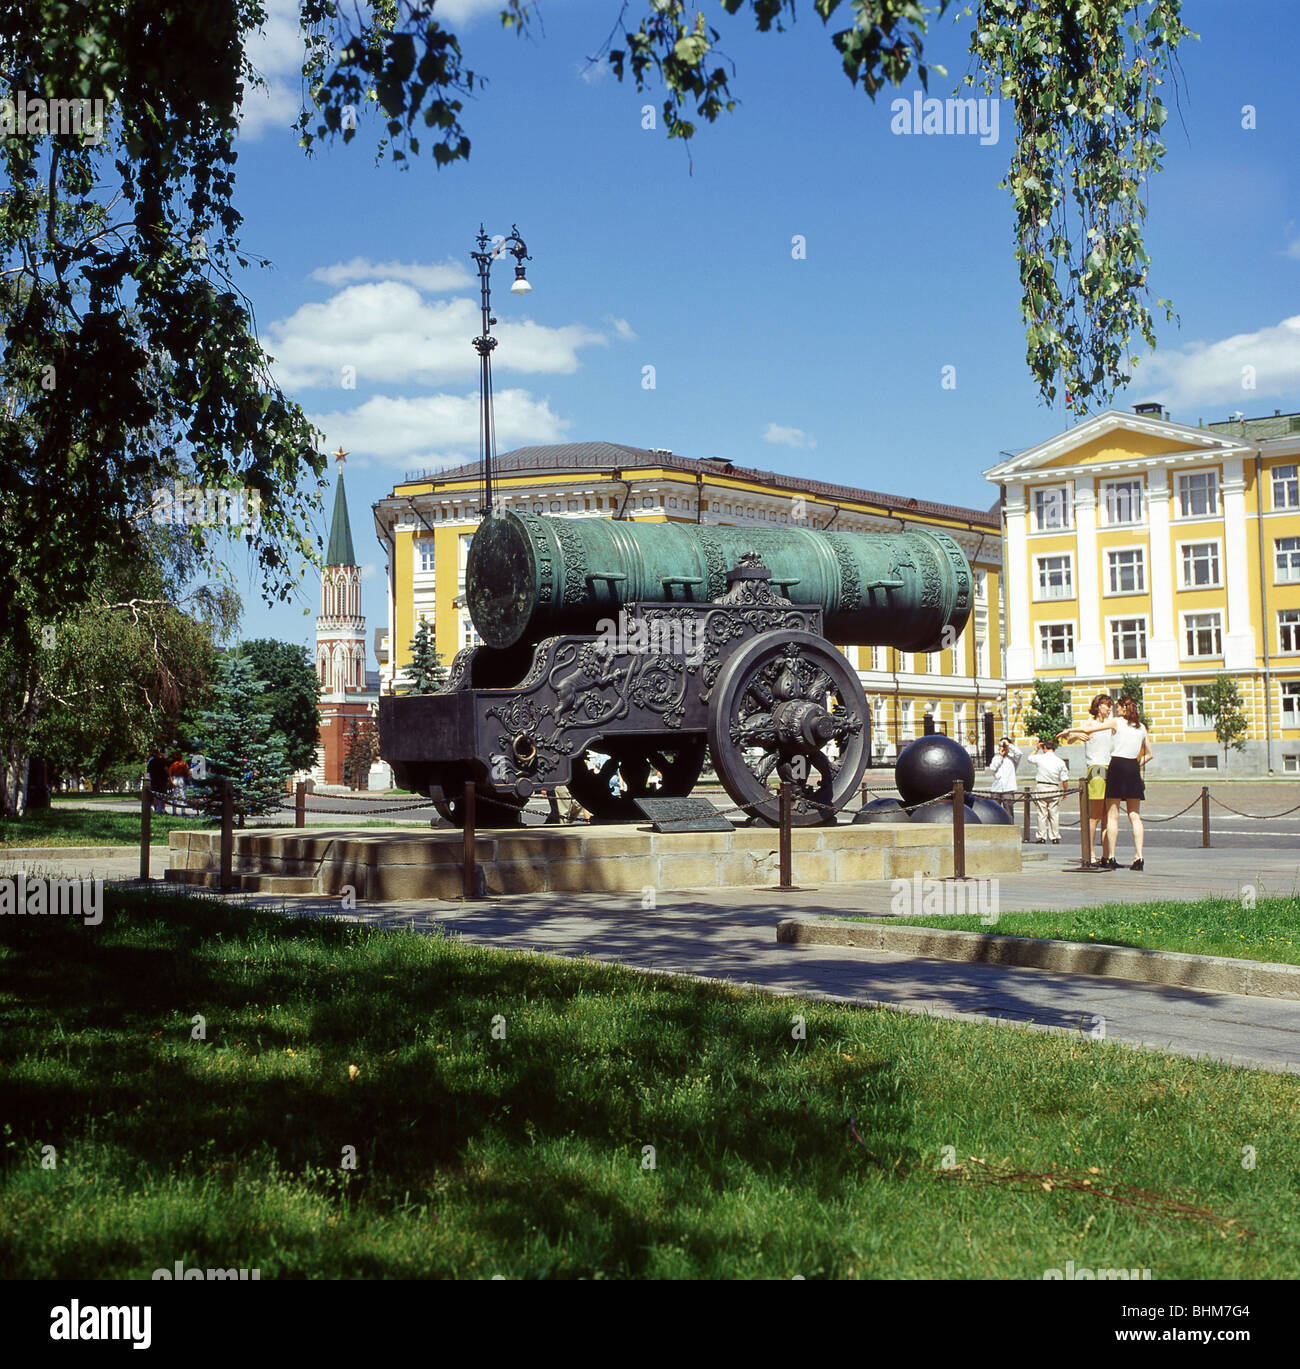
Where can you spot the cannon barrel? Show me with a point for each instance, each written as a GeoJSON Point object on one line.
{"type": "Point", "coordinates": [530, 577]}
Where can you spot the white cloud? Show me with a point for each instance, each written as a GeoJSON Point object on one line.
{"type": "Point", "coordinates": [438, 276]}
{"type": "Point", "coordinates": [441, 429]}
{"type": "Point", "coordinates": [622, 327]}
{"type": "Point", "coordinates": [593, 72]}
{"type": "Point", "coordinates": [1293, 249]}
{"type": "Point", "coordinates": [789, 437]}
{"type": "Point", "coordinates": [276, 52]}
{"type": "Point", "coordinates": [1205, 373]}
{"type": "Point", "coordinates": [392, 336]}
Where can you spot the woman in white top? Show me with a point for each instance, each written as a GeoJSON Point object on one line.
{"type": "Point", "coordinates": [1130, 750]}
{"type": "Point", "coordinates": [1096, 755]}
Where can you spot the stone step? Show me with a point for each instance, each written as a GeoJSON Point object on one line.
{"type": "Point", "coordinates": [248, 883]}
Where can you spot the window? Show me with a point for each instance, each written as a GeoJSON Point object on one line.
{"type": "Point", "coordinates": [1056, 644]}
{"type": "Point", "coordinates": [468, 632]}
{"type": "Point", "coordinates": [906, 727]}
{"type": "Point", "coordinates": [904, 662]}
{"type": "Point", "coordinates": [1122, 500]}
{"type": "Point", "coordinates": [1051, 508]}
{"type": "Point", "coordinates": [1204, 634]}
{"type": "Point", "coordinates": [1196, 703]}
{"type": "Point", "coordinates": [1286, 487]}
{"type": "Point", "coordinates": [426, 555]}
{"type": "Point", "coordinates": [1055, 577]}
{"type": "Point", "coordinates": [981, 658]}
{"type": "Point", "coordinates": [1200, 565]}
{"type": "Point", "coordinates": [931, 662]}
{"type": "Point", "coordinates": [877, 658]}
{"type": "Point", "coordinates": [1291, 761]}
{"type": "Point", "coordinates": [1203, 762]}
{"type": "Point", "coordinates": [1286, 560]}
{"type": "Point", "coordinates": [959, 722]}
{"type": "Point", "coordinates": [1198, 494]}
{"type": "Point", "coordinates": [1126, 571]}
{"type": "Point", "coordinates": [465, 539]}
{"type": "Point", "coordinates": [1288, 629]}
{"type": "Point", "coordinates": [1128, 639]}
{"type": "Point", "coordinates": [1291, 703]}
{"type": "Point", "coordinates": [981, 585]}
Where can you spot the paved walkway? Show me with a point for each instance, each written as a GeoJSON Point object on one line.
{"type": "Point", "coordinates": [730, 935]}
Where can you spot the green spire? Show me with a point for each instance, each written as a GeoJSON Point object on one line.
{"type": "Point", "coordinates": [340, 551]}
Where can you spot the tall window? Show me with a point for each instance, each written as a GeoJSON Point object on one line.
{"type": "Point", "coordinates": [904, 662]}
{"type": "Point", "coordinates": [1122, 500]}
{"type": "Point", "coordinates": [1291, 703]}
{"type": "Point", "coordinates": [1204, 634]}
{"type": "Point", "coordinates": [1055, 580]}
{"type": "Point", "coordinates": [426, 555]}
{"type": "Point", "coordinates": [981, 657]}
{"type": "Point", "coordinates": [931, 662]}
{"type": "Point", "coordinates": [959, 722]}
{"type": "Point", "coordinates": [1128, 639]}
{"type": "Point", "coordinates": [468, 632]}
{"type": "Point", "coordinates": [1286, 487]}
{"type": "Point", "coordinates": [1196, 702]}
{"type": "Point", "coordinates": [877, 658]}
{"type": "Point", "coordinates": [981, 585]}
{"type": "Point", "coordinates": [1200, 565]}
{"type": "Point", "coordinates": [1051, 508]}
{"type": "Point", "coordinates": [1286, 556]}
{"type": "Point", "coordinates": [465, 539]}
{"type": "Point", "coordinates": [1288, 629]}
{"type": "Point", "coordinates": [1056, 644]}
{"type": "Point", "coordinates": [1126, 571]}
{"type": "Point", "coordinates": [1198, 494]}
{"type": "Point", "coordinates": [906, 725]}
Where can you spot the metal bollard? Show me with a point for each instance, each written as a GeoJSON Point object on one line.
{"type": "Point", "coordinates": [470, 883]}
{"type": "Point", "coordinates": [1026, 832]}
{"type": "Point", "coordinates": [227, 835]}
{"type": "Point", "coordinates": [958, 830]}
{"type": "Point", "coordinates": [1205, 815]}
{"type": "Point", "coordinates": [1085, 846]}
{"type": "Point", "coordinates": [787, 879]}
{"type": "Point", "coordinates": [300, 805]}
{"type": "Point", "coordinates": [146, 823]}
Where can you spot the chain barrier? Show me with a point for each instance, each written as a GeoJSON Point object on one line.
{"type": "Point", "coordinates": [1255, 817]}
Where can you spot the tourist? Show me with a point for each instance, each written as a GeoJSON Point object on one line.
{"type": "Point", "coordinates": [1130, 750]}
{"type": "Point", "coordinates": [178, 772]}
{"type": "Point", "coordinates": [159, 780]}
{"type": "Point", "coordinates": [1003, 766]}
{"type": "Point", "coordinates": [1096, 756]}
{"type": "Point", "coordinates": [1051, 781]}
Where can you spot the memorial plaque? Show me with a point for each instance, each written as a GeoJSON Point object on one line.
{"type": "Point", "coordinates": [683, 815]}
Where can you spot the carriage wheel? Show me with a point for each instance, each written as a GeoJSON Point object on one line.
{"type": "Point", "coordinates": [678, 760]}
{"type": "Point", "coordinates": [788, 706]}
{"type": "Point", "coordinates": [490, 810]}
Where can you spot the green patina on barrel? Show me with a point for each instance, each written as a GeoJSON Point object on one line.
{"type": "Point", "coordinates": [530, 577]}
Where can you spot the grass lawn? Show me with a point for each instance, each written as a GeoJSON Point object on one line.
{"type": "Point", "coordinates": [522, 1154]}
{"type": "Point", "coordinates": [85, 827]}
{"type": "Point", "coordinates": [1270, 930]}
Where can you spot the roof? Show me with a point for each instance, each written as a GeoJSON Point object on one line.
{"type": "Point", "coordinates": [608, 457]}
{"type": "Point", "coordinates": [1276, 425]}
{"type": "Point", "coordinates": [340, 552]}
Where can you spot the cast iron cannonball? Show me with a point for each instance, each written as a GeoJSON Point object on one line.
{"type": "Point", "coordinates": [929, 767]}
{"type": "Point", "coordinates": [989, 811]}
{"type": "Point", "coordinates": [882, 810]}
{"type": "Point", "coordinates": [939, 812]}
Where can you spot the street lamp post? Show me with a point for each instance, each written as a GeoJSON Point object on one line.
{"type": "Point", "coordinates": [488, 252]}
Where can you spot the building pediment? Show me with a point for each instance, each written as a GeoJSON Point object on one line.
{"type": "Point", "coordinates": [1116, 438]}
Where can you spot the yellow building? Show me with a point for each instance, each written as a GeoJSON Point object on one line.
{"type": "Point", "coordinates": [426, 525]}
{"type": "Point", "coordinates": [1135, 545]}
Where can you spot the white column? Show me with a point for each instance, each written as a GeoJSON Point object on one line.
{"type": "Point", "coordinates": [1089, 652]}
{"type": "Point", "coordinates": [1162, 649]}
{"type": "Point", "coordinates": [1239, 631]}
{"type": "Point", "coordinates": [1020, 646]}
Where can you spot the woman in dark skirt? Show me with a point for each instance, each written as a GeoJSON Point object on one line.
{"type": "Point", "coordinates": [1124, 783]}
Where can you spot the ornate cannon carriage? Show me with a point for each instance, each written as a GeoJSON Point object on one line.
{"type": "Point", "coordinates": [641, 645]}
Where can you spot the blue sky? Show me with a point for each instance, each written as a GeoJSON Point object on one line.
{"type": "Point", "coordinates": [829, 365]}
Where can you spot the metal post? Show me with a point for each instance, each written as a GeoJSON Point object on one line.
{"type": "Point", "coordinates": [1026, 834]}
{"type": "Point", "coordinates": [227, 834]}
{"type": "Point", "coordinates": [300, 804]}
{"type": "Point", "coordinates": [146, 822]}
{"type": "Point", "coordinates": [1205, 815]}
{"type": "Point", "coordinates": [470, 884]}
{"type": "Point", "coordinates": [787, 879]}
{"type": "Point", "coordinates": [958, 830]}
{"type": "Point", "coordinates": [1085, 846]}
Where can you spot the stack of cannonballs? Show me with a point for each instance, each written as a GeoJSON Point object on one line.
{"type": "Point", "coordinates": [924, 775]}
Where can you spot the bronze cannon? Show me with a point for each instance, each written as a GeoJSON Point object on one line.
{"type": "Point", "coordinates": [646, 643]}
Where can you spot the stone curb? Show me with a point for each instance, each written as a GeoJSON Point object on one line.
{"type": "Point", "coordinates": [1217, 974]}
{"type": "Point", "coordinates": [73, 852]}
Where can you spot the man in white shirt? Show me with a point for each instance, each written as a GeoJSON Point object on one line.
{"type": "Point", "coordinates": [1003, 766]}
{"type": "Point", "coordinates": [1051, 781]}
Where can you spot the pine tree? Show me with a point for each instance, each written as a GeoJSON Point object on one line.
{"type": "Point", "coordinates": [238, 744]}
{"type": "Point", "coordinates": [426, 673]}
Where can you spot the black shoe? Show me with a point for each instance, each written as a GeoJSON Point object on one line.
{"type": "Point", "coordinates": [1137, 865]}
{"type": "Point", "coordinates": [1056, 841]}
{"type": "Point", "coordinates": [1109, 865]}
